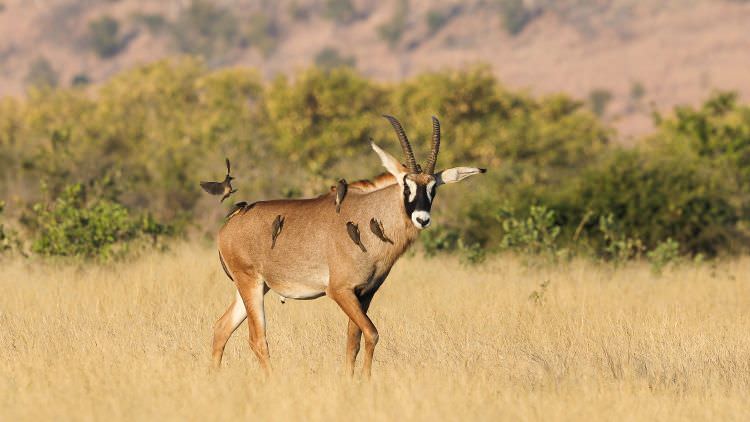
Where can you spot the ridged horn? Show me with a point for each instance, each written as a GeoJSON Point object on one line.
{"type": "Point", "coordinates": [411, 162]}
{"type": "Point", "coordinates": [432, 159]}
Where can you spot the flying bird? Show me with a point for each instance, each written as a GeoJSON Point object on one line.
{"type": "Point", "coordinates": [278, 224]}
{"type": "Point", "coordinates": [353, 230]}
{"type": "Point", "coordinates": [377, 228]}
{"type": "Point", "coordinates": [223, 188]}
{"type": "Point", "coordinates": [341, 188]}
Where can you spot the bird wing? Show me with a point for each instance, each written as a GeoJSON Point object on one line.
{"type": "Point", "coordinates": [214, 188]}
{"type": "Point", "coordinates": [375, 227]}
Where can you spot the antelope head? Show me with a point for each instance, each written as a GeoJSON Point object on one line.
{"type": "Point", "coordinates": [419, 185]}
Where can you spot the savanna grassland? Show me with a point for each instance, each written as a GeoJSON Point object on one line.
{"type": "Point", "coordinates": [130, 341]}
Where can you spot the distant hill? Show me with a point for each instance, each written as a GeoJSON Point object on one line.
{"type": "Point", "coordinates": [625, 57]}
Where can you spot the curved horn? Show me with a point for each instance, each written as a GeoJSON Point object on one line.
{"type": "Point", "coordinates": [432, 159]}
{"type": "Point", "coordinates": [411, 163]}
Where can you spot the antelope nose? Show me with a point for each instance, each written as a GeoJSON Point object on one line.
{"type": "Point", "coordinates": [423, 221]}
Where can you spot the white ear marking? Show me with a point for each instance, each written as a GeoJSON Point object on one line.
{"type": "Point", "coordinates": [390, 163]}
{"type": "Point", "coordinates": [456, 174]}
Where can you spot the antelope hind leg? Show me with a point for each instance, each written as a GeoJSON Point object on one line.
{"type": "Point", "coordinates": [225, 326]}
{"type": "Point", "coordinates": [253, 289]}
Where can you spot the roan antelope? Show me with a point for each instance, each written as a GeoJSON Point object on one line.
{"type": "Point", "coordinates": [304, 248]}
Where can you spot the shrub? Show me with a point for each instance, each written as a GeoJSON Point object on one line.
{"type": "Point", "coordinates": [9, 239]}
{"type": "Point", "coordinates": [299, 12]}
{"type": "Point", "coordinates": [599, 100]}
{"type": "Point", "coordinates": [80, 79]}
{"type": "Point", "coordinates": [637, 91]}
{"type": "Point", "coordinates": [104, 36]}
{"type": "Point", "coordinates": [330, 57]}
{"type": "Point", "coordinates": [75, 226]}
{"type": "Point", "coordinates": [472, 254]}
{"type": "Point", "coordinates": [205, 29]}
{"type": "Point", "coordinates": [617, 246]}
{"type": "Point", "coordinates": [515, 15]}
{"type": "Point", "coordinates": [154, 23]}
{"type": "Point", "coordinates": [392, 31]}
{"type": "Point", "coordinates": [262, 32]}
{"type": "Point", "coordinates": [663, 254]}
{"type": "Point", "coordinates": [41, 74]}
{"type": "Point", "coordinates": [439, 239]}
{"type": "Point", "coordinates": [718, 131]}
{"type": "Point", "coordinates": [333, 111]}
{"type": "Point", "coordinates": [535, 233]}
{"type": "Point", "coordinates": [340, 11]}
{"type": "Point", "coordinates": [653, 197]}
{"type": "Point", "coordinates": [437, 18]}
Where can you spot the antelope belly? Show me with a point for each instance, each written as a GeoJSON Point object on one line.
{"type": "Point", "coordinates": [300, 286]}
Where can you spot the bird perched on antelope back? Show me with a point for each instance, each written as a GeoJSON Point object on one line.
{"type": "Point", "coordinates": [223, 188]}
{"type": "Point", "coordinates": [341, 188]}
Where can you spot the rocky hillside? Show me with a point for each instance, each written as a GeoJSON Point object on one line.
{"type": "Point", "coordinates": [625, 57]}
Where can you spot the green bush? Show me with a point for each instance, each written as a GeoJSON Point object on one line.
{"type": "Point", "coordinates": [104, 36]}
{"type": "Point", "coordinates": [262, 32]}
{"type": "Point", "coordinates": [154, 23]}
{"type": "Point", "coordinates": [617, 246]}
{"type": "Point", "coordinates": [329, 58]}
{"type": "Point", "coordinates": [654, 197]}
{"type": "Point", "coordinates": [599, 99]}
{"type": "Point", "coordinates": [438, 18]}
{"type": "Point", "coordinates": [665, 253]}
{"type": "Point", "coordinates": [439, 239]}
{"type": "Point", "coordinates": [340, 11]}
{"type": "Point", "coordinates": [205, 29]}
{"type": "Point", "coordinates": [9, 239]}
{"type": "Point", "coordinates": [718, 132]}
{"type": "Point", "coordinates": [75, 226]}
{"type": "Point", "coordinates": [472, 254]}
{"type": "Point", "coordinates": [152, 132]}
{"type": "Point", "coordinates": [332, 111]}
{"type": "Point", "coordinates": [535, 233]}
{"type": "Point", "coordinates": [515, 15]}
{"type": "Point", "coordinates": [80, 79]}
{"type": "Point", "coordinates": [392, 31]}
{"type": "Point", "coordinates": [41, 74]}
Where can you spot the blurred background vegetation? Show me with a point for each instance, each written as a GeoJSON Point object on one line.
{"type": "Point", "coordinates": [97, 173]}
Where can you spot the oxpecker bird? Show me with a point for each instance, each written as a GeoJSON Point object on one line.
{"type": "Point", "coordinates": [353, 230]}
{"type": "Point", "coordinates": [223, 188]}
{"type": "Point", "coordinates": [341, 188]}
{"type": "Point", "coordinates": [377, 228]}
{"type": "Point", "coordinates": [278, 224]}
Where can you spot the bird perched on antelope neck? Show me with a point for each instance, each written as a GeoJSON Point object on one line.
{"type": "Point", "coordinates": [223, 188]}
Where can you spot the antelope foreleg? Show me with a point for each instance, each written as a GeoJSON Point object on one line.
{"type": "Point", "coordinates": [350, 304]}
{"type": "Point", "coordinates": [354, 337]}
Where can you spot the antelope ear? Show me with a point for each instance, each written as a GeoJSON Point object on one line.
{"type": "Point", "coordinates": [390, 163]}
{"type": "Point", "coordinates": [456, 174]}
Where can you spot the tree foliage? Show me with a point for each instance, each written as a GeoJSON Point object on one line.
{"type": "Point", "coordinates": [153, 132]}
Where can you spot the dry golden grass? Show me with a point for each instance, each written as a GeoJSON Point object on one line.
{"type": "Point", "coordinates": [132, 342]}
